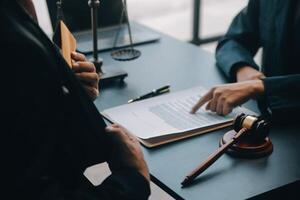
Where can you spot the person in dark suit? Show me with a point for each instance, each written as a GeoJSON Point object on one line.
{"type": "Point", "coordinates": [51, 129]}
{"type": "Point", "coordinates": [274, 26]}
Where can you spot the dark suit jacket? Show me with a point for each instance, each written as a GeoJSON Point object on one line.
{"type": "Point", "coordinates": [51, 129]}
{"type": "Point", "coordinates": [266, 24]}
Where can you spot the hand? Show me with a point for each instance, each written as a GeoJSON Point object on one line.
{"type": "Point", "coordinates": [248, 73]}
{"type": "Point", "coordinates": [127, 151]}
{"type": "Point", "coordinates": [222, 99]}
{"type": "Point", "coordinates": [86, 73]}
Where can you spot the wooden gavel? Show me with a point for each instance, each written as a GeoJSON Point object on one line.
{"type": "Point", "coordinates": [252, 127]}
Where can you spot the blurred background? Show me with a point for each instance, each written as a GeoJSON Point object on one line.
{"type": "Point", "coordinates": [175, 18]}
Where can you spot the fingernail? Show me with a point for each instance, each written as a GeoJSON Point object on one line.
{"type": "Point", "coordinates": [74, 53]}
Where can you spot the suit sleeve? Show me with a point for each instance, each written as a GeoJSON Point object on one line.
{"type": "Point", "coordinates": [125, 184]}
{"type": "Point", "coordinates": [281, 100]}
{"type": "Point", "coordinates": [241, 41]}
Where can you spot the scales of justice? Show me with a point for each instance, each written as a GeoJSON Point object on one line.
{"type": "Point", "coordinates": [108, 73]}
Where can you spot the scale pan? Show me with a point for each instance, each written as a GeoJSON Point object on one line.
{"type": "Point", "coordinates": [125, 54]}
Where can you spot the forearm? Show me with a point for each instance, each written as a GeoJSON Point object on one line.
{"type": "Point", "coordinates": [247, 73]}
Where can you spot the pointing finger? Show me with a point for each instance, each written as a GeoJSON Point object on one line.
{"type": "Point", "coordinates": [202, 101]}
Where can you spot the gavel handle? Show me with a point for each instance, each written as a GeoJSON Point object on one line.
{"type": "Point", "coordinates": [212, 158]}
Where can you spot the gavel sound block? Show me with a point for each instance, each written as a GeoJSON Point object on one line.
{"type": "Point", "coordinates": [254, 143]}
{"type": "Point", "coordinates": [249, 139]}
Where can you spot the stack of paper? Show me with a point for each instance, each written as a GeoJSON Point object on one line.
{"type": "Point", "coordinates": [167, 118]}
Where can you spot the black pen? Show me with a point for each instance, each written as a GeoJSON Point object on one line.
{"type": "Point", "coordinates": [153, 93]}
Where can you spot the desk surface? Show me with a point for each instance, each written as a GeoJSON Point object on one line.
{"type": "Point", "coordinates": [183, 66]}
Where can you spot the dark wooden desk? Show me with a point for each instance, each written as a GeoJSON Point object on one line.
{"type": "Point", "coordinates": [183, 66]}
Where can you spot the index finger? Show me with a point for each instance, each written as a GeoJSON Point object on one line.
{"type": "Point", "coordinates": [208, 96]}
{"type": "Point", "coordinates": [83, 66]}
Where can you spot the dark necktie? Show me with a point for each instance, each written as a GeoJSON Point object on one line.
{"type": "Point", "coordinates": [28, 5]}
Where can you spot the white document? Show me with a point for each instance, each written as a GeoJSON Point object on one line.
{"type": "Point", "coordinates": [167, 114]}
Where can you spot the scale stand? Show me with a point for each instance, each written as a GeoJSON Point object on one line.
{"type": "Point", "coordinates": [124, 54]}
{"type": "Point", "coordinates": [107, 73]}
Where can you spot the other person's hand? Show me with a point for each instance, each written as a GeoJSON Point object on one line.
{"type": "Point", "coordinates": [224, 98]}
{"type": "Point", "coordinates": [248, 73]}
{"type": "Point", "coordinates": [86, 73]}
{"type": "Point", "coordinates": [127, 151]}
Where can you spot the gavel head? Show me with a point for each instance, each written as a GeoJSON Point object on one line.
{"type": "Point", "coordinates": [258, 128]}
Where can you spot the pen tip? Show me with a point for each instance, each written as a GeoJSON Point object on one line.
{"type": "Point", "coordinates": [183, 185]}
{"type": "Point", "coordinates": [185, 182]}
